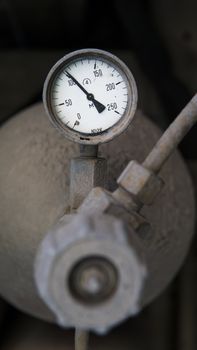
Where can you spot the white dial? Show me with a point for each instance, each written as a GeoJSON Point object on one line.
{"type": "Point", "coordinates": [88, 93]}
{"type": "Point", "coordinates": [96, 103]}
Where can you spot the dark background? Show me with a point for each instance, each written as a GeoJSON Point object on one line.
{"type": "Point", "coordinates": [159, 35]}
{"type": "Point", "coordinates": [158, 41]}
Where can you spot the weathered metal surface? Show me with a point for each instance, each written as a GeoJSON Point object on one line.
{"type": "Point", "coordinates": [85, 173]}
{"type": "Point", "coordinates": [141, 183]}
{"type": "Point", "coordinates": [172, 137]}
{"type": "Point", "coordinates": [74, 239]}
{"type": "Point", "coordinates": [93, 280]}
{"type": "Point", "coordinates": [81, 340]}
{"type": "Point", "coordinates": [34, 183]}
{"type": "Point", "coordinates": [101, 201]}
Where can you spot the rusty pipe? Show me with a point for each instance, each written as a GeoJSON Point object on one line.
{"type": "Point", "coordinates": [172, 137]}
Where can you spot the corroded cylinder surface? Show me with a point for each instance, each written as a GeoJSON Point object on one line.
{"type": "Point", "coordinates": [34, 191]}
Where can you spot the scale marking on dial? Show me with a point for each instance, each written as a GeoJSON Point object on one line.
{"type": "Point", "coordinates": [90, 95]}
{"type": "Point", "coordinates": [89, 89]}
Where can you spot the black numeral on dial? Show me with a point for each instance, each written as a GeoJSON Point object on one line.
{"type": "Point", "coordinates": [110, 86]}
{"type": "Point", "coordinates": [112, 106]}
{"type": "Point", "coordinates": [98, 73]}
{"type": "Point", "coordinates": [68, 102]}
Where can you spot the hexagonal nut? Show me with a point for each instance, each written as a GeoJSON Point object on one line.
{"type": "Point", "coordinates": [79, 237]}
{"type": "Point", "coordinates": [101, 201]}
{"type": "Point", "coordinates": [140, 182]}
{"type": "Point", "coordinates": [85, 174]}
{"type": "Point", "coordinates": [98, 201]}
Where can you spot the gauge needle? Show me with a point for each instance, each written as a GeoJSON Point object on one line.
{"type": "Point", "coordinates": [99, 106]}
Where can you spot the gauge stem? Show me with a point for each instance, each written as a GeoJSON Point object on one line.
{"type": "Point", "coordinates": [86, 172]}
{"type": "Point", "coordinates": [89, 151]}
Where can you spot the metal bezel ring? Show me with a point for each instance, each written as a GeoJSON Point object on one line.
{"type": "Point", "coordinates": [116, 129]}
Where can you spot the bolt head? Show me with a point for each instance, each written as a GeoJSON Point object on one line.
{"type": "Point", "coordinates": [93, 280]}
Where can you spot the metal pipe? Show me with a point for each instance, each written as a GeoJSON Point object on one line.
{"type": "Point", "coordinates": [172, 137]}
{"type": "Point", "coordinates": [81, 339]}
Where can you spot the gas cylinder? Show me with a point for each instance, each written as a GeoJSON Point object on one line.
{"type": "Point", "coordinates": [34, 192]}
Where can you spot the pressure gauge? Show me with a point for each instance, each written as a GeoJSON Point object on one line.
{"type": "Point", "coordinates": [90, 95]}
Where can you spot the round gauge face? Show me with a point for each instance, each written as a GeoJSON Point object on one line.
{"type": "Point", "coordinates": [88, 93]}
